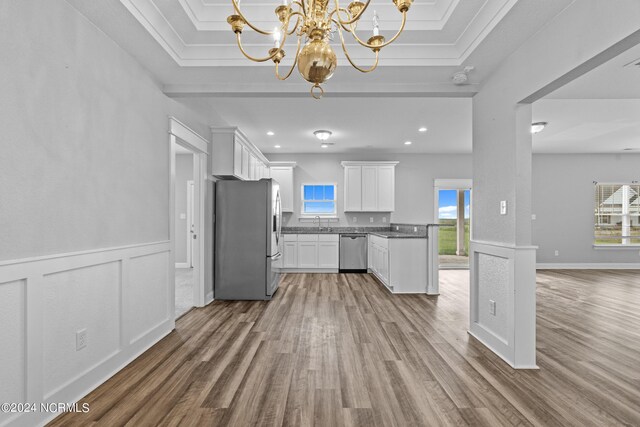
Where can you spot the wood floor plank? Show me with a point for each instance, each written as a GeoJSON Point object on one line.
{"type": "Point", "coordinates": [340, 350]}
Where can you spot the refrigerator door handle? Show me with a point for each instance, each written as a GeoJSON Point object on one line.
{"type": "Point", "coordinates": [276, 256]}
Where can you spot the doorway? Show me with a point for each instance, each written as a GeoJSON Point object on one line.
{"type": "Point", "coordinates": [185, 294]}
{"type": "Point", "coordinates": [448, 243]}
{"type": "Point", "coordinates": [188, 158]}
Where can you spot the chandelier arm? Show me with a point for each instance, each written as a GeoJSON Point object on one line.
{"type": "Point", "coordinates": [365, 44]}
{"type": "Point", "coordinates": [346, 53]}
{"type": "Point", "coordinates": [295, 27]}
{"type": "Point", "coordinates": [301, 4]}
{"type": "Point", "coordinates": [295, 62]}
{"type": "Point", "coordinates": [236, 7]}
{"type": "Point", "coordinates": [265, 59]}
{"type": "Point", "coordinates": [352, 20]}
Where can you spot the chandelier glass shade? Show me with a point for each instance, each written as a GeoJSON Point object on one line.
{"type": "Point", "coordinates": [313, 23]}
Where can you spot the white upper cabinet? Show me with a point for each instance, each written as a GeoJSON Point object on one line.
{"type": "Point", "coordinates": [283, 173]}
{"type": "Point", "coordinates": [369, 186]}
{"type": "Point", "coordinates": [234, 156]}
{"type": "Point", "coordinates": [352, 188]}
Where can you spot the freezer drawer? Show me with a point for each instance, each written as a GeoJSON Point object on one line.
{"type": "Point", "coordinates": [353, 253]}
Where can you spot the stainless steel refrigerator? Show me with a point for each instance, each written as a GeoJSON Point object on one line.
{"type": "Point", "coordinates": [248, 226]}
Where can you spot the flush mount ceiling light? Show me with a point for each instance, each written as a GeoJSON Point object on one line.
{"type": "Point", "coordinates": [408, 143]}
{"type": "Point", "coordinates": [314, 25]}
{"type": "Point", "coordinates": [322, 135]}
{"type": "Point", "coordinates": [276, 146]}
{"type": "Point", "coordinates": [537, 127]}
{"type": "Point", "coordinates": [270, 133]}
{"type": "Point", "coordinates": [422, 129]}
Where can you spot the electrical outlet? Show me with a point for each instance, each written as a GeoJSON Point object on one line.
{"type": "Point", "coordinates": [556, 253]}
{"type": "Point", "coordinates": [355, 219]}
{"type": "Point", "coordinates": [183, 216]}
{"type": "Point", "coordinates": [492, 307]}
{"type": "Point", "coordinates": [397, 228]}
{"type": "Point", "coordinates": [533, 217]}
{"type": "Point", "coordinates": [370, 219]}
{"type": "Point", "coordinates": [415, 229]}
{"type": "Point", "coordinates": [503, 207]}
{"type": "Point", "coordinates": [384, 219]}
{"type": "Point", "coordinates": [81, 339]}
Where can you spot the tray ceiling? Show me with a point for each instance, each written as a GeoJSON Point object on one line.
{"type": "Point", "coordinates": [438, 32]}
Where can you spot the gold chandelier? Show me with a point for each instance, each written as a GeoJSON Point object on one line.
{"type": "Point", "coordinates": [316, 61]}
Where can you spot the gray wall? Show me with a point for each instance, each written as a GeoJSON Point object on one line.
{"type": "Point", "coordinates": [414, 183]}
{"type": "Point", "coordinates": [563, 202]}
{"type": "Point", "coordinates": [184, 173]}
{"type": "Point", "coordinates": [85, 151]}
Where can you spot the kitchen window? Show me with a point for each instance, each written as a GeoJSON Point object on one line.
{"type": "Point", "coordinates": [617, 214]}
{"type": "Point", "coordinates": [319, 199]}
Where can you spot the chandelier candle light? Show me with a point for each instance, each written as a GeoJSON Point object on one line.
{"type": "Point", "coordinates": [314, 23]}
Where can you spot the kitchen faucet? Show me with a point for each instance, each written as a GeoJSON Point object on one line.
{"type": "Point", "coordinates": [319, 222]}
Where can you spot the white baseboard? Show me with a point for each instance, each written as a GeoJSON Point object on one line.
{"type": "Point", "coordinates": [209, 298]}
{"type": "Point", "coordinates": [588, 266]}
{"type": "Point", "coordinates": [309, 270]}
{"type": "Point", "coordinates": [182, 265]}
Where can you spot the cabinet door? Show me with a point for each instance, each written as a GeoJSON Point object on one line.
{"type": "Point", "coordinates": [384, 265]}
{"type": "Point", "coordinates": [245, 162]}
{"type": "Point", "coordinates": [369, 188]}
{"type": "Point", "coordinates": [370, 254]}
{"type": "Point", "coordinates": [284, 176]}
{"type": "Point", "coordinates": [307, 254]}
{"type": "Point", "coordinates": [353, 188]}
{"type": "Point", "coordinates": [386, 188]}
{"type": "Point", "coordinates": [253, 164]}
{"type": "Point", "coordinates": [290, 255]}
{"type": "Point", "coordinates": [328, 254]}
{"type": "Point", "coordinates": [237, 158]}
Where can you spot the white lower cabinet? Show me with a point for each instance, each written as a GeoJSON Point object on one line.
{"type": "Point", "coordinates": [290, 251]}
{"type": "Point", "coordinates": [400, 264]}
{"type": "Point", "coordinates": [307, 251]}
{"type": "Point", "coordinates": [311, 251]}
{"type": "Point", "coordinates": [328, 251]}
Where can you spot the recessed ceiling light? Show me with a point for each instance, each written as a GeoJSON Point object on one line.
{"type": "Point", "coordinates": [407, 143]}
{"type": "Point", "coordinates": [422, 129]}
{"type": "Point", "coordinates": [322, 135]}
{"type": "Point", "coordinates": [537, 127]}
{"type": "Point", "coordinates": [276, 146]}
{"type": "Point", "coordinates": [270, 133]}
{"type": "Point", "coordinates": [324, 145]}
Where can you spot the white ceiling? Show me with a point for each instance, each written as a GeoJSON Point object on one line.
{"type": "Point", "coordinates": [596, 113]}
{"type": "Point", "coordinates": [358, 124]}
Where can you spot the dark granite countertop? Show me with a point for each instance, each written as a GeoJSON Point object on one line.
{"type": "Point", "coordinates": [385, 232]}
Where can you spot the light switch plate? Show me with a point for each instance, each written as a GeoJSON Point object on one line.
{"type": "Point", "coordinates": [503, 207]}
{"type": "Point", "coordinates": [81, 339]}
{"type": "Point", "coordinates": [370, 219]}
{"type": "Point", "coordinates": [533, 217]}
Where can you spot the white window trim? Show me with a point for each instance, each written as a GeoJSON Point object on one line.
{"type": "Point", "coordinates": [305, 216]}
{"type": "Point", "coordinates": [615, 246]}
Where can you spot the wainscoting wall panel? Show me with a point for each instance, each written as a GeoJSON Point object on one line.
{"type": "Point", "coordinates": [12, 343]}
{"type": "Point", "coordinates": [147, 297]}
{"type": "Point", "coordinates": [504, 274]}
{"type": "Point", "coordinates": [119, 295]}
{"type": "Point", "coordinates": [86, 298]}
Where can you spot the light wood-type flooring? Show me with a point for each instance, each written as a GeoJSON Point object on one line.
{"type": "Point", "coordinates": [338, 349]}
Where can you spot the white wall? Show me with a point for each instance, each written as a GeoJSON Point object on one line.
{"type": "Point", "coordinates": [184, 173]}
{"type": "Point", "coordinates": [414, 183]}
{"type": "Point", "coordinates": [563, 202]}
{"type": "Point", "coordinates": [84, 211]}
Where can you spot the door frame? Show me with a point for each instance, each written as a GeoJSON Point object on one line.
{"type": "Point", "coordinates": [433, 280]}
{"type": "Point", "coordinates": [191, 220]}
{"type": "Point", "coordinates": [180, 134]}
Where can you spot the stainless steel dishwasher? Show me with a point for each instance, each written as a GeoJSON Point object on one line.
{"type": "Point", "coordinates": [353, 253]}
